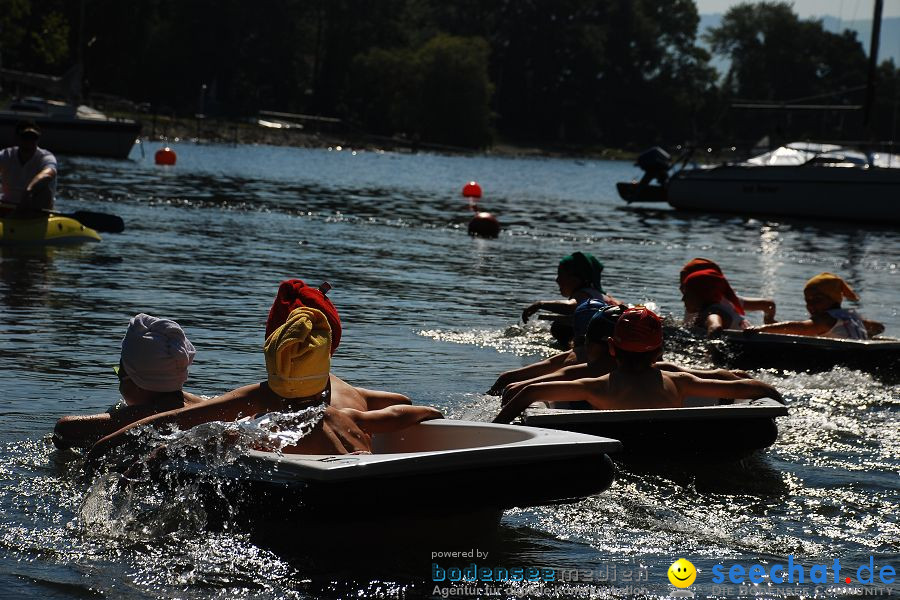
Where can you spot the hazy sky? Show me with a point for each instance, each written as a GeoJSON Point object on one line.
{"type": "Point", "coordinates": [846, 10]}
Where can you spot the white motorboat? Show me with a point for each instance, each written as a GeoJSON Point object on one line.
{"type": "Point", "coordinates": [703, 429]}
{"type": "Point", "coordinates": [821, 181]}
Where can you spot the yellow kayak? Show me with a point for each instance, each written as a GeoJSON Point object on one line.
{"type": "Point", "coordinates": [49, 230]}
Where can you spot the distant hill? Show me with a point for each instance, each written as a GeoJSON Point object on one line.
{"type": "Point", "coordinates": [888, 48]}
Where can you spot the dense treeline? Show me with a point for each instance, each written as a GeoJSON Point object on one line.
{"type": "Point", "coordinates": [618, 73]}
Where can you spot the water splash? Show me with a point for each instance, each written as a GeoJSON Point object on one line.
{"type": "Point", "coordinates": [149, 500]}
{"type": "Point", "coordinates": [528, 340]}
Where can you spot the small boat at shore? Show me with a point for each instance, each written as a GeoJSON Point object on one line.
{"type": "Point", "coordinates": [67, 126]}
{"type": "Point", "coordinates": [433, 468]}
{"type": "Point", "coordinates": [761, 347]}
{"type": "Point", "coordinates": [71, 130]}
{"type": "Point", "coordinates": [50, 230]}
{"type": "Point", "coordinates": [702, 430]}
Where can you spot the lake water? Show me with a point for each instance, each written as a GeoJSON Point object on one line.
{"type": "Point", "coordinates": [432, 313]}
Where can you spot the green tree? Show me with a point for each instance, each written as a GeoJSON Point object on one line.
{"type": "Point", "coordinates": [438, 93]}
{"type": "Point", "coordinates": [35, 36]}
{"type": "Point", "coordinates": [657, 78]}
{"type": "Point", "coordinates": [249, 57]}
{"type": "Point", "coordinates": [609, 72]}
{"type": "Point", "coordinates": [777, 57]}
{"type": "Point", "coordinates": [455, 91]}
{"type": "Point", "coordinates": [13, 19]}
{"type": "Point", "coordinates": [383, 91]}
{"type": "Point", "coordinates": [886, 112]}
{"type": "Point", "coordinates": [51, 41]}
{"type": "Point", "coordinates": [347, 28]}
{"type": "Point", "coordinates": [579, 72]}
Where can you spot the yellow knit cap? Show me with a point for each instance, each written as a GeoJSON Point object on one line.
{"type": "Point", "coordinates": [298, 354]}
{"type": "Point", "coordinates": [831, 286]}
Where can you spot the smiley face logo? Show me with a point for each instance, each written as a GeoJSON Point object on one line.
{"type": "Point", "coordinates": [682, 573]}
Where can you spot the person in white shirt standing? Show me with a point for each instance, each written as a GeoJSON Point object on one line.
{"type": "Point", "coordinates": [27, 173]}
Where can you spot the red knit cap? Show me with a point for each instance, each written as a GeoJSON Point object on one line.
{"type": "Point", "coordinates": [293, 293]}
{"type": "Point", "coordinates": [697, 264]}
{"type": "Point", "coordinates": [639, 329]}
{"type": "Point", "coordinates": [709, 287]}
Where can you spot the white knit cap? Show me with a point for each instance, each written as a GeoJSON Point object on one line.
{"type": "Point", "coordinates": [156, 354]}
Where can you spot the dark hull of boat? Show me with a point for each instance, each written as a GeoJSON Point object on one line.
{"type": "Point", "coordinates": [702, 433]}
{"type": "Point", "coordinates": [435, 468]}
{"type": "Point", "coordinates": [633, 192]}
{"type": "Point", "coordinates": [78, 137]}
{"type": "Point", "coordinates": [803, 352]}
{"type": "Point", "coordinates": [398, 512]}
{"type": "Point", "coordinates": [698, 439]}
{"type": "Point", "coordinates": [389, 539]}
{"type": "Point", "coordinates": [856, 194]}
{"type": "Point", "coordinates": [818, 192]}
{"type": "Point", "coordinates": [470, 490]}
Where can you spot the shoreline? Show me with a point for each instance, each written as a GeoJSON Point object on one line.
{"type": "Point", "coordinates": [203, 130]}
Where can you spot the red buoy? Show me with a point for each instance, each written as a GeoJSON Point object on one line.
{"type": "Point", "coordinates": [165, 156]}
{"type": "Point", "coordinates": [472, 190]}
{"type": "Point", "coordinates": [484, 224]}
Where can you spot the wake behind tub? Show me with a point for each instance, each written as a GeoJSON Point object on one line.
{"type": "Point", "coordinates": [702, 428]}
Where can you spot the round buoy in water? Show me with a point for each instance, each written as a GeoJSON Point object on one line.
{"type": "Point", "coordinates": [484, 224]}
{"type": "Point", "coordinates": [472, 190]}
{"type": "Point", "coordinates": [165, 156]}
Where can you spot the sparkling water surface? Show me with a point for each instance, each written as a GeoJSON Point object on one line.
{"type": "Point", "coordinates": [434, 314]}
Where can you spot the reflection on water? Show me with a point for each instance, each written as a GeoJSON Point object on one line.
{"type": "Point", "coordinates": [434, 314]}
{"type": "Point", "coordinates": [769, 242]}
{"type": "Point", "coordinates": [23, 271]}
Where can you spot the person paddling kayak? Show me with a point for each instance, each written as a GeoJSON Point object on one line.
{"type": "Point", "coordinates": [28, 173]}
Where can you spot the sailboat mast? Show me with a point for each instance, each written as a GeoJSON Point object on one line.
{"type": "Point", "coordinates": [80, 53]}
{"type": "Point", "coordinates": [873, 62]}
